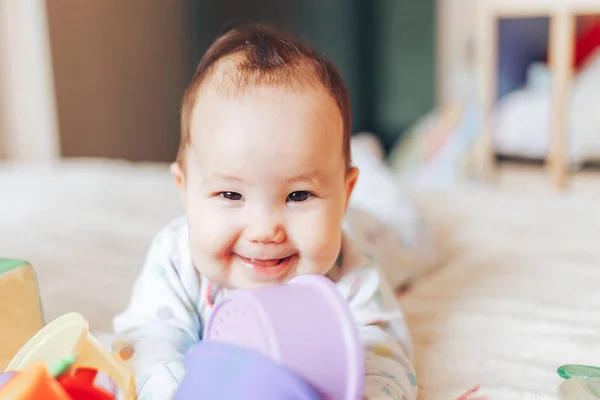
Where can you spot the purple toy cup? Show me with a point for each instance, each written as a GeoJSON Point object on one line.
{"type": "Point", "coordinates": [304, 325]}
{"type": "Point", "coordinates": [218, 370]}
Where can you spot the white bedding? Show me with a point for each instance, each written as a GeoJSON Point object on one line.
{"type": "Point", "coordinates": [518, 297]}
{"type": "Point", "coordinates": [522, 118]}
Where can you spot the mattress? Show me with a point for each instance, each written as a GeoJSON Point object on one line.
{"type": "Point", "coordinates": [516, 298]}
{"type": "Point", "coordinates": [85, 226]}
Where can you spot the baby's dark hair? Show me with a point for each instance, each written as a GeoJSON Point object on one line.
{"type": "Point", "coordinates": [258, 56]}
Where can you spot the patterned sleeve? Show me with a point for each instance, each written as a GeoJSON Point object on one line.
{"type": "Point", "coordinates": [161, 322]}
{"type": "Point", "coordinates": [389, 371]}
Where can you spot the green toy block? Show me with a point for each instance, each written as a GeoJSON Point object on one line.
{"type": "Point", "coordinates": [20, 307]}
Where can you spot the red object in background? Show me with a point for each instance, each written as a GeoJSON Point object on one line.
{"type": "Point", "coordinates": [588, 42]}
{"type": "Point", "coordinates": [80, 386]}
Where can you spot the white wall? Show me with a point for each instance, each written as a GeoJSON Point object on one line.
{"type": "Point", "coordinates": [3, 123]}
{"type": "Point", "coordinates": [28, 119]}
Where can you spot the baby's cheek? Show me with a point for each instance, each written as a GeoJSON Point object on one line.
{"type": "Point", "coordinates": [212, 234]}
{"type": "Point", "coordinates": [209, 249]}
{"type": "Point", "coordinates": [319, 238]}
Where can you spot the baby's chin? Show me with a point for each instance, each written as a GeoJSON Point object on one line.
{"type": "Point", "coordinates": [237, 279]}
{"type": "Point", "coordinates": [243, 281]}
{"type": "Point", "coordinates": [249, 284]}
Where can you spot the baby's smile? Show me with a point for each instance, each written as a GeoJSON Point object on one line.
{"type": "Point", "coordinates": [268, 268]}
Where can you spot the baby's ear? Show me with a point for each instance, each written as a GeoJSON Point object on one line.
{"type": "Point", "coordinates": [351, 177]}
{"type": "Point", "coordinates": [179, 178]}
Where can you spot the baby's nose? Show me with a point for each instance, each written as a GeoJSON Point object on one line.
{"type": "Point", "coordinates": [266, 230]}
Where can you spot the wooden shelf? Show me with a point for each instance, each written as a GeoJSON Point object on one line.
{"type": "Point", "coordinates": [562, 14]}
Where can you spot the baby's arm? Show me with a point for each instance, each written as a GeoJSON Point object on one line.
{"type": "Point", "coordinates": [389, 370]}
{"type": "Point", "coordinates": [161, 322]}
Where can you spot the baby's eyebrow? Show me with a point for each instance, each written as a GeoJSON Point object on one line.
{"type": "Point", "coordinates": [228, 178]}
{"type": "Point", "coordinates": [310, 178]}
{"type": "Point", "coordinates": [313, 177]}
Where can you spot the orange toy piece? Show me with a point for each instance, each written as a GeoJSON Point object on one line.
{"type": "Point", "coordinates": [33, 383]}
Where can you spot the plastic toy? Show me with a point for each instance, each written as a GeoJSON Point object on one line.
{"type": "Point", "coordinates": [577, 388]}
{"type": "Point", "coordinates": [20, 311]}
{"type": "Point", "coordinates": [80, 386]}
{"type": "Point", "coordinates": [36, 383]}
{"type": "Point", "coordinates": [58, 361]}
{"type": "Point", "coordinates": [304, 327]}
{"type": "Point", "coordinates": [219, 370]}
{"type": "Point", "coordinates": [582, 382]}
{"type": "Point", "coordinates": [5, 377]}
{"type": "Point", "coordinates": [582, 371]}
{"type": "Point", "coordinates": [65, 336]}
{"type": "Point", "coordinates": [33, 383]}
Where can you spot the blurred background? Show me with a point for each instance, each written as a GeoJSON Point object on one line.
{"type": "Point", "coordinates": [118, 69]}
{"type": "Point", "coordinates": [144, 53]}
{"type": "Point", "coordinates": [104, 79]}
{"type": "Point", "coordinates": [476, 103]}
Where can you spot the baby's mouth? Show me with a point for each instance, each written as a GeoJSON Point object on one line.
{"type": "Point", "coordinates": [266, 266]}
{"type": "Point", "coordinates": [263, 263]}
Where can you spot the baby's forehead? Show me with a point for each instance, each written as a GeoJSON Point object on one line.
{"type": "Point", "coordinates": [278, 110]}
{"type": "Point", "coordinates": [283, 111]}
{"type": "Point", "coordinates": [265, 129]}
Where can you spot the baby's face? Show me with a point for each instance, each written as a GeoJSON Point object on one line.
{"type": "Point", "coordinates": [265, 186]}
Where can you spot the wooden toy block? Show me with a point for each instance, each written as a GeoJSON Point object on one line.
{"type": "Point", "coordinates": [20, 307]}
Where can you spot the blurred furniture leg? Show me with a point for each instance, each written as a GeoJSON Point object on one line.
{"type": "Point", "coordinates": [486, 59]}
{"type": "Point", "coordinates": [562, 34]}
{"type": "Point", "coordinates": [28, 118]}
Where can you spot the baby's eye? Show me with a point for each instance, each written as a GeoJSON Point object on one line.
{"type": "Point", "coordinates": [233, 196]}
{"type": "Point", "coordinates": [299, 196]}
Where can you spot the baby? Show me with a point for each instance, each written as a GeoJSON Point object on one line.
{"type": "Point", "coordinates": [265, 175]}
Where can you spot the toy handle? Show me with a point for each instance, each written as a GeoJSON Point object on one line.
{"type": "Point", "coordinates": [69, 334]}
{"type": "Point", "coordinates": [218, 370]}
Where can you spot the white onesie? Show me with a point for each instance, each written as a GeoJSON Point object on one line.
{"type": "Point", "coordinates": [170, 305]}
